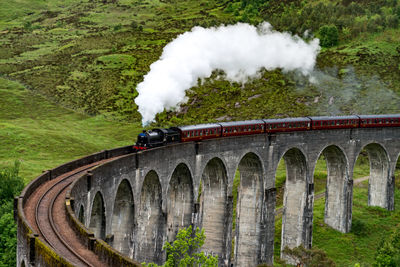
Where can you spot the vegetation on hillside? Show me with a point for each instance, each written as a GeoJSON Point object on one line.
{"type": "Point", "coordinates": [90, 55]}
{"type": "Point", "coordinates": [11, 184]}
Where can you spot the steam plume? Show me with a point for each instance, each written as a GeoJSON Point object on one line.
{"type": "Point", "coordinates": [240, 50]}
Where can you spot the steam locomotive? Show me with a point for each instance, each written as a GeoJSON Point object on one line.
{"type": "Point", "coordinates": [160, 137]}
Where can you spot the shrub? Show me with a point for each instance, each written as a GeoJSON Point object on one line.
{"type": "Point", "coordinates": [10, 185]}
{"type": "Point", "coordinates": [388, 253]}
{"type": "Point", "coordinates": [309, 257]}
{"type": "Point", "coordinates": [329, 35]}
{"type": "Point", "coordinates": [184, 250]}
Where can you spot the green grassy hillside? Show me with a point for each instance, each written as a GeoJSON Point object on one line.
{"type": "Point", "coordinates": [42, 135]}
{"type": "Point", "coordinates": [90, 55]}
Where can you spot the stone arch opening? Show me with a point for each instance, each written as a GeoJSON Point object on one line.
{"type": "Point", "coordinates": [379, 174]}
{"type": "Point", "coordinates": [81, 215]}
{"type": "Point", "coordinates": [213, 207]}
{"type": "Point", "coordinates": [22, 264]}
{"type": "Point", "coordinates": [98, 218]}
{"type": "Point", "coordinates": [248, 211]}
{"type": "Point", "coordinates": [122, 220]}
{"type": "Point", "coordinates": [294, 219]}
{"type": "Point", "coordinates": [180, 201]}
{"type": "Point", "coordinates": [336, 199]}
{"type": "Point", "coordinates": [150, 221]}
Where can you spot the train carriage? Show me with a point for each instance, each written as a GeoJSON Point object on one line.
{"type": "Point", "coordinates": [335, 122]}
{"type": "Point", "coordinates": [287, 124]}
{"type": "Point", "coordinates": [242, 127]}
{"type": "Point", "coordinates": [388, 120]}
{"type": "Point", "coordinates": [199, 132]}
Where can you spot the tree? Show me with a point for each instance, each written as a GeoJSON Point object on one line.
{"type": "Point", "coordinates": [329, 35]}
{"type": "Point", "coordinates": [184, 250]}
{"type": "Point", "coordinates": [10, 185]}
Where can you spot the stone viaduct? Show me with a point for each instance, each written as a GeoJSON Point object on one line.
{"type": "Point", "coordinates": [138, 201]}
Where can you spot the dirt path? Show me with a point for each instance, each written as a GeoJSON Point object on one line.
{"type": "Point", "coordinates": [278, 212]}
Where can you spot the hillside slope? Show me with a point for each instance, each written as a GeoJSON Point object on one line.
{"type": "Point", "coordinates": [90, 55]}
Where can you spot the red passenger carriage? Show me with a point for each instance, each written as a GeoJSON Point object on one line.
{"type": "Point", "coordinates": [336, 122]}
{"type": "Point", "coordinates": [287, 125]}
{"type": "Point", "coordinates": [389, 120]}
{"type": "Point", "coordinates": [199, 132]}
{"type": "Point", "coordinates": [242, 127]}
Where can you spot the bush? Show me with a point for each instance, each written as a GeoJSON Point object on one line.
{"type": "Point", "coordinates": [329, 35]}
{"type": "Point", "coordinates": [358, 227]}
{"type": "Point", "coordinates": [184, 250]}
{"type": "Point", "coordinates": [10, 185]}
{"type": "Point", "coordinates": [388, 253]}
{"type": "Point", "coordinates": [309, 257]}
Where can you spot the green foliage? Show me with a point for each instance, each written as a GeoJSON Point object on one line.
{"type": "Point", "coordinates": [309, 257]}
{"type": "Point", "coordinates": [11, 184]}
{"type": "Point", "coordinates": [184, 250]}
{"type": "Point", "coordinates": [388, 252]}
{"type": "Point", "coordinates": [329, 35]}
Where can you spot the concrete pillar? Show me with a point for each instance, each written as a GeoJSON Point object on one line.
{"type": "Point", "coordinates": [268, 232]}
{"type": "Point", "coordinates": [335, 196]}
{"type": "Point", "coordinates": [295, 202]}
{"type": "Point", "coordinates": [150, 234]}
{"type": "Point", "coordinates": [380, 177]}
{"type": "Point", "coordinates": [249, 211]}
{"type": "Point", "coordinates": [213, 202]}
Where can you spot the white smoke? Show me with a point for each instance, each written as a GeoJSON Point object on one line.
{"type": "Point", "coordinates": [240, 50]}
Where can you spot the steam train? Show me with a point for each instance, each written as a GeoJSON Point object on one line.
{"type": "Point", "coordinates": [160, 137]}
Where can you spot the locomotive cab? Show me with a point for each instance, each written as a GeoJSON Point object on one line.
{"type": "Point", "coordinates": [156, 137]}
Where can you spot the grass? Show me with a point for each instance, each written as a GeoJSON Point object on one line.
{"type": "Point", "coordinates": [43, 135]}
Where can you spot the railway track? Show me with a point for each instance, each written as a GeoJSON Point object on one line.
{"type": "Point", "coordinates": [45, 211]}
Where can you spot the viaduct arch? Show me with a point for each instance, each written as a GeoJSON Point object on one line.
{"type": "Point", "coordinates": [139, 201]}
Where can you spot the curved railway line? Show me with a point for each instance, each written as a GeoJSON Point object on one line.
{"type": "Point", "coordinates": [45, 211]}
